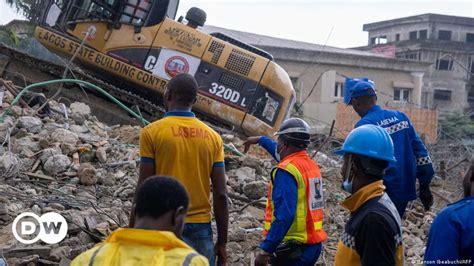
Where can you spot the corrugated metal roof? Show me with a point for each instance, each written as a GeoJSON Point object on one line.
{"type": "Point", "coordinates": [267, 41]}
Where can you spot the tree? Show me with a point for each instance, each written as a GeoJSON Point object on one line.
{"type": "Point", "coordinates": [31, 9]}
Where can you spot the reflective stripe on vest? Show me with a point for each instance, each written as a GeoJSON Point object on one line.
{"type": "Point", "coordinates": [307, 226]}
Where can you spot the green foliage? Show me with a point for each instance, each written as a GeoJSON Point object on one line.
{"type": "Point", "coordinates": [9, 37]}
{"type": "Point", "coordinates": [29, 8]}
{"type": "Point", "coordinates": [456, 125]}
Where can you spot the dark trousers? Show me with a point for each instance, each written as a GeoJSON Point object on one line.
{"type": "Point", "coordinates": [199, 237]}
{"type": "Point", "coordinates": [401, 206]}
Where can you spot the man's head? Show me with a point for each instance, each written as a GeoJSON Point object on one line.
{"type": "Point", "coordinates": [161, 204]}
{"type": "Point", "coordinates": [367, 152]}
{"type": "Point", "coordinates": [181, 92]}
{"type": "Point", "coordinates": [360, 93]}
{"type": "Point", "coordinates": [468, 182]}
{"type": "Point", "coordinates": [294, 135]}
{"type": "Point", "coordinates": [362, 170]}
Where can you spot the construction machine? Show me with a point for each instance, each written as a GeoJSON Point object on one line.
{"type": "Point", "coordinates": [138, 45]}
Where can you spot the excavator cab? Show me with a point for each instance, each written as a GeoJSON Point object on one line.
{"type": "Point", "coordinates": [138, 45]}
{"type": "Point", "coordinates": [139, 13]}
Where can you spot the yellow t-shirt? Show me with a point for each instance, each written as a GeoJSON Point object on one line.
{"type": "Point", "coordinates": [183, 147]}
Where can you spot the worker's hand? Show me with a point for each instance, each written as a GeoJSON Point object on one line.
{"type": "Point", "coordinates": [426, 197]}
{"type": "Point", "coordinates": [250, 141]}
{"type": "Point", "coordinates": [221, 254]}
{"type": "Point", "coordinates": [262, 258]}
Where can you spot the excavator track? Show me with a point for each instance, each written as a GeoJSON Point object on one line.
{"type": "Point", "coordinates": [126, 96]}
{"type": "Point", "coordinates": [147, 109]}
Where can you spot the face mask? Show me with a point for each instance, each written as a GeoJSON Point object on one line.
{"type": "Point", "coordinates": [346, 184]}
{"type": "Point", "coordinates": [279, 149]}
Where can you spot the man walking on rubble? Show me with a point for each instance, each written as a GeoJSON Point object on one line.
{"type": "Point", "coordinates": [293, 226]}
{"type": "Point", "coordinates": [373, 234]}
{"type": "Point", "coordinates": [182, 146]}
{"type": "Point", "coordinates": [413, 160]}
{"type": "Point", "coordinates": [451, 238]}
{"type": "Point", "coordinates": [161, 206]}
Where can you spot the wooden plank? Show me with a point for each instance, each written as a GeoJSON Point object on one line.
{"type": "Point", "coordinates": [40, 176]}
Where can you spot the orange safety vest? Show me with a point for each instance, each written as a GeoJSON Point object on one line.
{"type": "Point", "coordinates": [307, 226]}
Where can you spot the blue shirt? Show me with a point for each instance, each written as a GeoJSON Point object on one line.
{"type": "Point", "coordinates": [451, 235]}
{"type": "Point", "coordinates": [413, 160]}
{"type": "Point", "coordinates": [284, 195]}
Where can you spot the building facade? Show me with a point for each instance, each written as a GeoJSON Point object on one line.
{"type": "Point", "coordinates": [446, 43]}
{"type": "Point", "coordinates": [318, 72]}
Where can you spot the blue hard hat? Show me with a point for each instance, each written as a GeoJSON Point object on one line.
{"type": "Point", "coordinates": [355, 87]}
{"type": "Point", "coordinates": [371, 141]}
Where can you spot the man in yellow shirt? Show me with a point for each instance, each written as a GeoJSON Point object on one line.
{"type": "Point", "coordinates": [161, 206]}
{"type": "Point", "coordinates": [182, 146]}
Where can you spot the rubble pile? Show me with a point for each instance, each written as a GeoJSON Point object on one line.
{"type": "Point", "coordinates": [87, 171]}
{"type": "Point", "coordinates": [67, 165]}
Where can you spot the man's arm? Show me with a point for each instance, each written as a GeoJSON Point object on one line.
{"type": "Point", "coordinates": [269, 145]}
{"type": "Point", "coordinates": [424, 167]}
{"type": "Point", "coordinates": [265, 142]}
{"type": "Point", "coordinates": [147, 167]}
{"type": "Point", "coordinates": [284, 195]}
{"type": "Point", "coordinates": [375, 242]}
{"type": "Point", "coordinates": [221, 210]}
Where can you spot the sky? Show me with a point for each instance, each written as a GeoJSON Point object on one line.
{"type": "Point", "coordinates": [334, 23]}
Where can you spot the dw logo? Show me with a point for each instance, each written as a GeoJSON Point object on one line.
{"type": "Point", "coordinates": [50, 227]}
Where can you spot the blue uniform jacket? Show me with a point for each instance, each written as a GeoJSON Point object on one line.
{"type": "Point", "coordinates": [451, 237]}
{"type": "Point", "coordinates": [284, 195]}
{"type": "Point", "coordinates": [413, 160]}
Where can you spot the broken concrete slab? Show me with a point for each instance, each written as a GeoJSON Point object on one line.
{"type": "Point", "coordinates": [87, 174]}
{"type": "Point", "coordinates": [255, 190]}
{"type": "Point", "coordinates": [30, 123]}
{"type": "Point", "coordinates": [80, 108]}
{"type": "Point", "coordinates": [62, 135]}
{"type": "Point", "coordinates": [57, 164]}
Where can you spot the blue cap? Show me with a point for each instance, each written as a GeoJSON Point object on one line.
{"type": "Point", "coordinates": [356, 87]}
{"type": "Point", "coordinates": [371, 141]}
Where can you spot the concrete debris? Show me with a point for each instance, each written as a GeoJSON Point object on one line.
{"type": "Point", "coordinates": [31, 124]}
{"type": "Point", "coordinates": [126, 134]}
{"type": "Point", "coordinates": [48, 153]}
{"type": "Point", "coordinates": [80, 109]}
{"type": "Point", "coordinates": [255, 190]}
{"type": "Point", "coordinates": [9, 165]}
{"type": "Point", "coordinates": [56, 164]}
{"type": "Point", "coordinates": [62, 135]}
{"type": "Point", "coordinates": [101, 154]}
{"type": "Point", "coordinates": [88, 173]}
{"type": "Point", "coordinates": [243, 175]}
{"type": "Point", "coordinates": [25, 145]}
{"type": "Point", "coordinates": [60, 252]}
{"type": "Point", "coordinates": [79, 112]}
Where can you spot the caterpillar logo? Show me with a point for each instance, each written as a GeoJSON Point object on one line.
{"type": "Point", "coordinates": [176, 65]}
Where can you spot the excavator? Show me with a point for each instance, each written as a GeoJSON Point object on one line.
{"type": "Point", "coordinates": [138, 46]}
